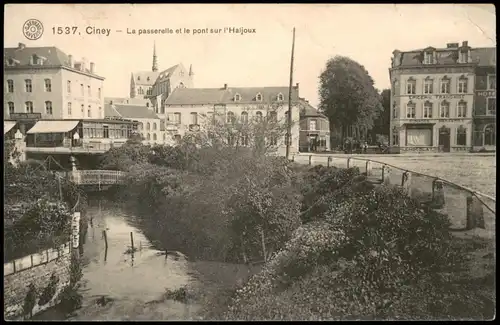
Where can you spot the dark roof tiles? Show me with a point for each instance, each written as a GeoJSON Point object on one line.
{"type": "Point", "coordinates": [135, 111]}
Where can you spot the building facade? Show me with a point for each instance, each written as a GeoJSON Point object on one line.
{"type": "Point", "coordinates": [432, 98]}
{"type": "Point", "coordinates": [187, 109]}
{"type": "Point", "coordinates": [45, 80]}
{"type": "Point", "coordinates": [314, 129]}
{"type": "Point", "coordinates": [484, 113]}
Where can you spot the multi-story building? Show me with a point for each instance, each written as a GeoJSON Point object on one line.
{"type": "Point", "coordinates": [149, 125]}
{"type": "Point", "coordinates": [485, 104]}
{"type": "Point", "coordinates": [186, 108]}
{"type": "Point", "coordinates": [151, 88]}
{"type": "Point", "coordinates": [45, 80]}
{"type": "Point", "coordinates": [314, 128]}
{"type": "Point", "coordinates": [432, 98]}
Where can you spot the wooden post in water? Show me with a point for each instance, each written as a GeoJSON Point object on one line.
{"type": "Point", "coordinates": [105, 236]}
{"type": "Point", "coordinates": [132, 241]}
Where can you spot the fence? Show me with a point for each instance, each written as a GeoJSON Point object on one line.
{"type": "Point", "coordinates": [466, 208]}
{"type": "Point", "coordinates": [94, 177]}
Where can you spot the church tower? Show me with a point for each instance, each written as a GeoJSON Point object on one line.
{"type": "Point", "coordinates": [191, 75]}
{"type": "Point", "coordinates": [155, 62]}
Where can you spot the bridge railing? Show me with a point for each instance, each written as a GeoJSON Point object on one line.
{"type": "Point", "coordinates": [94, 177]}
{"type": "Point", "coordinates": [467, 208]}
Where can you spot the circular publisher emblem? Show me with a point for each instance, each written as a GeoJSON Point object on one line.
{"type": "Point", "coordinates": [33, 29]}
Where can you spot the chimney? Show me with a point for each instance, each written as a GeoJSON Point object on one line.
{"type": "Point", "coordinates": [225, 86]}
{"type": "Point", "coordinates": [452, 45]}
{"type": "Point", "coordinates": [21, 46]}
{"type": "Point", "coordinates": [92, 67]}
{"type": "Point", "coordinates": [465, 44]}
{"type": "Point", "coordinates": [83, 65]}
{"type": "Point", "coordinates": [297, 85]}
{"type": "Point", "coordinates": [70, 60]}
{"type": "Point", "coordinates": [111, 102]}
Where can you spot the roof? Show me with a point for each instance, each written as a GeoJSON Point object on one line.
{"type": "Point", "coordinates": [165, 74]}
{"type": "Point", "coordinates": [110, 111]}
{"type": "Point", "coordinates": [147, 78]}
{"type": "Point", "coordinates": [115, 100]}
{"type": "Point", "coordinates": [135, 111]}
{"type": "Point", "coordinates": [53, 56]}
{"type": "Point", "coordinates": [307, 110]}
{"type": "Point", "coordinates": [483, 56]}
{"type": "Point", "coordinates": [8, 125]}
{"type": "Point", "coordinates": [193, 96]}
{"type": "Point", "coordinates": [53, 126]}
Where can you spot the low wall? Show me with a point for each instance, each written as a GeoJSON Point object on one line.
{"type": "Point", "coordinates": [36, 269]}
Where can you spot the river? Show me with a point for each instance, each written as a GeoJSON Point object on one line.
{"type": "Point", "coordinates": [136, 284]}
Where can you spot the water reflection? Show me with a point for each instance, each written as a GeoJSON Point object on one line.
{"type": "Point", "coordinates": [131, 278]}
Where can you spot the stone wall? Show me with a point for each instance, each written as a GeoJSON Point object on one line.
{"type": "Point", "coordinates": [36, 269]}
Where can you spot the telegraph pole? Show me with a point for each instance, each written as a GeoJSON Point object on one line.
{"type": "Point", "coordinates": [289, 126]}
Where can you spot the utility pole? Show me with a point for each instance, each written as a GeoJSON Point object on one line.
{"type": "Point", "coordinates": [289, 128]}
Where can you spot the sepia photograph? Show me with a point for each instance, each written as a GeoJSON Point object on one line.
{"type": "Point", "coordinates": [249, 162]}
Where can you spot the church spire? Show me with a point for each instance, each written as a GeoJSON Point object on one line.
{"type": "Point", "coordinates": [191, 73]}
{"type": "Point", "coordinates": [155, 62]}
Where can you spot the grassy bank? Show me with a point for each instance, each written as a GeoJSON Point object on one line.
{"type": "Point", "coordinates": [335, 247]}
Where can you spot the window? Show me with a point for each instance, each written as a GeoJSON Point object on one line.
{"type": "Point", "coordinates": [89, 111]}
{"type": "Point", "coordinates": [461, 136]}
{"type": "Point", "coordinates": [141, 91]}
{"type": "Point", "coordinates": [280, 97]}
{"type": "Point", "coordinates": [149, 136]}
{"type": "Point", "coordinates": [410, 110]}
{"type": "Point", "coordinates": [154, 126]}
{"type": "Point", "coordinates": [411, 86]}
{"type": "Point", "coordinates": [462, 85]}
{"type": "Point", "coordinates": [83, 108]}
{"type": "Point", "coordinates": [492, 106]}
{"type": "Point", "coordinates": [244, 117]}
{"type": "Point", "coordinates": [429, 58]}
{"type": "Point", "coordinates": [462, 109]}
{"type": "Point", "coordinates": [427, 110]}
{"type": "Point", "coordinates": [68, 87]}
{"type": "Point", "coordinates": [147, 79]}
{"type": "Point", "coordinates": [194, 118]}
{"type": "Point", "coordinates": [492, 82]}
{"type": "Point", "coordinates": [258, 97]}
{"type": "Point", "coordinates": [89, 91]}
{"type": "Point", "coordinates": [10, 86]}
{"type": "Point", "coordinates": [154, 136]}
{"type": "Point", "coordinates": [428, 85]}
{"type": "Point", "coordinates": [164, 137]}
{"type": "Point", "coordinates": [258, 116]}
{"type": "Point", "coordinates": [181, 85]}
{"type": "Point", "coordinates": [29, 107]}
{"type": "Point", "coordinates": [489, 135]}
{"type": "Point", "coordinates": [394, 110]}
{"type": "Point", "coordinates": [11, 107]}
{"type": "Point", "coordinates": [230, 117]}
{"type": "Point", "coordinates": [48, 85]}
{"type": "Point", "coordinates": [244, 140]}
{"type": "Point", "coordinates": [81, 90]}
{"type": "Point", "coordinates": [48, 108]}
{"type": "Point", "coordinates": [181, 73]}
{"type": "Point", "coordinates": [105, 131]}
{"type": "Point", "coordinates": [99, 93]}
{"type": "Point", "coordinates": [237, 97]}
{"type": "Point", "coordinates": [148, 126]}
{"type": "Point", "coordinates": [445, 86]}
{"type": "Point", "coordinates": [273, 116]}
{"type": "Point", "coordinates": [177, 118]}
{"type": "Point", "coordinates": [444, 109]}
{"type": "Point", "coordinates": [69, 109]}
{"type": "Point", "coordinates": [312, 125]}
{"type": "Point", "coordinates": [273, 140]}
{"type": "Point", "coordinates": [464, 56]}
{"type": "Point", "coordinates": [34, 59]}
{"type": "Point", "coordinates": [29, 86]}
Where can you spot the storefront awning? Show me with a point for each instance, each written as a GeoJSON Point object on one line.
{"type": "Point", "coordinates": [53, 127]}
{"type": "Point", "coordinates": [7, 126]}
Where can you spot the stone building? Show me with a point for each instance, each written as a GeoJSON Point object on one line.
{"type": "Point", "coordinates": [485, 104]}
{"type": "Point", "coordinates": [47, 81]}
{"type": "Point", "coordinates": [314, 129]}
{"type": "Point", "coordinates": [432, 98]}
{"type": "Point", "coordinates": [186, 108]}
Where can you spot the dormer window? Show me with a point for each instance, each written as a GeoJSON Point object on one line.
{"type": "Point", "coordinates": [429, 57]}
{"type": "Point", "coordinates": [35, 60]}
{"type": "Point", "coordinates": [258, 97]}
{"type": "Point", "coordinates": [280, 97]}
{"type": "Point", "coordinates": [237, 97]}
{"type": "Point", "coordinates": [138, 78]}
{"type": "Point", "coordinates": [11, 62]}
{"type": "Point", "coordinates": [147, 79]}
{"type": "Point", "coordinates": [464, 56]}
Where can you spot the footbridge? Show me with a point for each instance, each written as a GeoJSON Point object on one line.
{"type": "Point", "coordinates": [100, 178]}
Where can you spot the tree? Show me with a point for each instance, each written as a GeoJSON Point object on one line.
{"type": "Point", "coordinates": [348, 97]}
{"type": "Point", "coordinates": [382, 123]}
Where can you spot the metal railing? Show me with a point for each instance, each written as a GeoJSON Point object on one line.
{"type": "Point", "coordinates": [461, 203]}
{"type": "Point", "coordinates": [94, 177]}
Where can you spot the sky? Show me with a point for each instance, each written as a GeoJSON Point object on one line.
{"type": "Point", "coordinates": [366, 33]}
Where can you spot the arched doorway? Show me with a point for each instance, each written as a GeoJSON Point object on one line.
{"type": "Point", "coordinates": [444, 139]}
{"type": "Point", "coordinates": [489, 135]}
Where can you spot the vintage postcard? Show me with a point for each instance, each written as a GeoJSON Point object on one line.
{"type": "Point", "coordinates": [249, 161]}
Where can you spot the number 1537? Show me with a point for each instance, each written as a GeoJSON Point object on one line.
{"type": "Point", "coordinates": [65, 30]}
